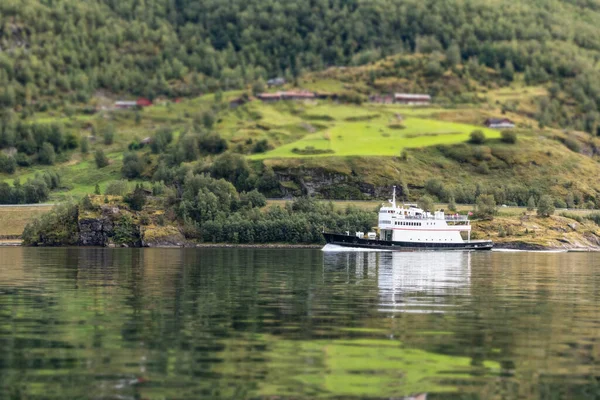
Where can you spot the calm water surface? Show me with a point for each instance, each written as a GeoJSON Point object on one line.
{"type": "Point", "coordinates": [297, 324]}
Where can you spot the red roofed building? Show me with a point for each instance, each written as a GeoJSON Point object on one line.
{"type": "Point", "coordinates": [143, 102]}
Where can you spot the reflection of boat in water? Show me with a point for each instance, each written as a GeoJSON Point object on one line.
{"type": "Point", "coordinates": [409, 282]}
{"type": "Point", "coordinates": [409, 228]}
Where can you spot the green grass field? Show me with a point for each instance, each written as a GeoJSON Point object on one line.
{"type": "Point", "coordinates": [14, 219]}
{"type": "Point", "coordinates": [373, 131]}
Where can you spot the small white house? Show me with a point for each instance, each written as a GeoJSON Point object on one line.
{"type": "Point", "coordinates": [499, 123]}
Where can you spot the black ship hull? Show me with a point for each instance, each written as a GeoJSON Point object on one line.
{"type": "Point", "coordinates": [353, 241]}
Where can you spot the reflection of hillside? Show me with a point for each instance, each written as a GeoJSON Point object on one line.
{"type": "Point", "coordinates": [11, 266]}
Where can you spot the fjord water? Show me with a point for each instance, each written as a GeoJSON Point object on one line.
{"type": "Point", "coordinates": [258, 323]}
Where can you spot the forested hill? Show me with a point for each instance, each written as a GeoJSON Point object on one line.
{"type": "Point", "coordinates": [71, 48]}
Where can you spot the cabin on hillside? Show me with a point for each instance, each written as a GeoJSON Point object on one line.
{"type": "Point", "coordinates": [276, 82]}
{"type": "Point", "coordinates": [381, 99]}
{"type": "Point", "coordinates": [143, 102]}
{"type": "Point", "coordinates": [297, 95]}
{"type": "Point", "coordinates": [123, 105]}
{"type": "Point", "coordinates": [288, 95]}
{"type": "Point", "coordinates": [499, 123]}
{"type": "Point", "coordinates": [412, 99]}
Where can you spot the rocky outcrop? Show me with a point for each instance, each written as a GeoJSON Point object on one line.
{"type": "Point", "coordinates": [163, 236]}
{"type": "Point", "coordinates": [109, 226]}
{"type": "Point", "coordinates": [95, 231]}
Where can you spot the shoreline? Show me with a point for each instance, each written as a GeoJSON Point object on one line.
{"type": "Point", "coordinates": [526, 247]}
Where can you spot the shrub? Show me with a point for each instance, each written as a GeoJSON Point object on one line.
{"type": "Point", "coordinates": [477, 137]}
{"type": "Point", "coordinates": [509, 137]}
{"type": "Point", "coordinates": [132, 166]}
{"type": "Point", "coordinates": [435, 187]}
{"type": "Point", "coordinates": [531, 204]}
{"type": "Point", "coordinates": [84, 145]}
{"type": "Point", "coordinates": [161, 140]}
{"type": "Point", "coordinates": [47, 155]}
{"type": "Point", "coordinates": [212, 144]}
{"type": "Point", "coordinates": [137, 198]}
{"type": "Point", "coordinates": [572, 216]}
{"type": "Point", "coordinates": [545, 206]}
{"type": "Point", "coordinates": [71, 141]}
{"type": "Point", "coordinates": [7, 164]}
{"type": "Point", "coordinates": [426, 203]}
{"type": "Point", "coordinates": [485, 207]}
{"type": "Point", "coordinates": [253, 198]}
{"type": "Point", "coordinates": [572, 144]}
{"type": "Point", "coordinates": [483, 168]}
{"type": "Point", "coordinates": [117, 188]}
{"type": "Point", "coordinates": [22, 160]}
{"type": "Point", "coordinates": [108, 134]}
{"type": "Point", "coordinates": [310, 150]}
{"type": "Point", "coordinates": [594, 217]}
{"type": "Point", "coordinates": [261, 146]}
{"type": "Point", "coordinates": [101, 159]}
{"type": "Point", "coordinates": [57, 227]}
{"type": "Point", "coordinates": [452, 204]}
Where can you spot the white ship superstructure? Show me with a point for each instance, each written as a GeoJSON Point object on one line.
{"type": "Point", "coordinates": [409, 223]}
{"type": "Point", "coordinates": [410, 228]}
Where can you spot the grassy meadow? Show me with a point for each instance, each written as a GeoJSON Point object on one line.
{"type": "Point", "coordinates": [14, 219]}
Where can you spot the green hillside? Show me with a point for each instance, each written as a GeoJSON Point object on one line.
{"type": "Point", "coordinates": [67, 62]}
{"type": "Point", "coordinates": [69, 51]}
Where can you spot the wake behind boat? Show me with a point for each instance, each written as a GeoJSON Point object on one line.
{"type": "Point", "coordinates": [409, 228]}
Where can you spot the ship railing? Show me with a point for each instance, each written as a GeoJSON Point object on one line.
{"type": "Point", "coordinates": [432, 218]}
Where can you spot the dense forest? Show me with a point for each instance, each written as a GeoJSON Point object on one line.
{"type": "Point", "coordinates": [182, 47]}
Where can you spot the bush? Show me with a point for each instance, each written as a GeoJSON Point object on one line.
{"type": "Point", "coordinates": [117, 188]}
{"type": "Point", "coordinates": [84, 145]}
{"type": "Point", "coordinates": [509, 137]}
{"type": "Point", "coordinates": [594, 217]}
{"type": "Point", "coordinates": [435, 187]}
{"type": "Point", "coordinates": [212, 144]}
{"type": "Point", "coordinates": [253, 199]}
{"type": "Point", "coordinates": [71, 141]}
{"type": "Point", "coordinates": [485, 207]}
{"type": "Point", "coordinates": [161, 141]}
{"type": "Point", "coordinates": [531, 204]}
{"type": "Point", "coordinates": [426, 203]}
{"type": "Point", "coordinates": [261, 146]}
{"type": "Point", "coordinates": [452, 204]}
{"type": "Point", "coordinates": [7, 164]}
{"type": "Point", "coordinates": [101, 159]}
{"type": "Point", "coordinates": [572, 144]}
{"type": "Point", "coordinates": [132, 166]}
{"type": "Point", "coordinates": [137, 198]}
{"type": "Point", "coordinates": [477, 137]}
{"type": "Point", "coordinates": [47, 155]}
{"type": "Point", "coordinates": [22, 160]}
{"type": "Point", "coordinates": [108, 134]}
{"type": "Point", "coordinates": [572, 216]}
{"type": "Point", "coordinates": [545, 206]}
{"type": "Point", "coordinates": [55, 228]}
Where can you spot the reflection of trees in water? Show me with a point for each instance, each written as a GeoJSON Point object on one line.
{"type": "Point", "coordinates": [220, 322]}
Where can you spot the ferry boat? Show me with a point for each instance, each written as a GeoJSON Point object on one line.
{"type": "Point", "coordinates": [409, 228]}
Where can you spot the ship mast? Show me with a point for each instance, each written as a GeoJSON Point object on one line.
{"type": "Point", "coordinates": [393, 201]}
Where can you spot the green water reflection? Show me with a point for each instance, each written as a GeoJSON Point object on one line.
{"type": "Point", "coordinates": [232, 324]}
